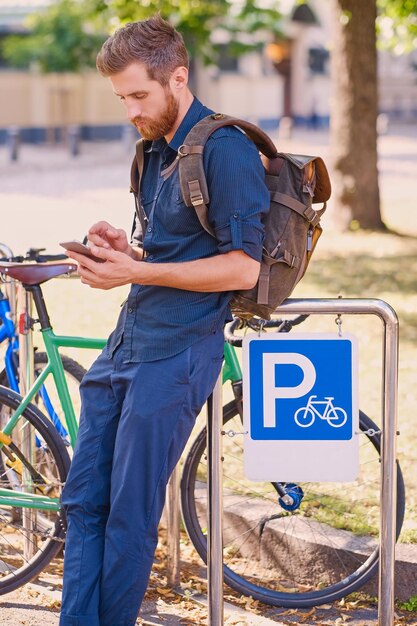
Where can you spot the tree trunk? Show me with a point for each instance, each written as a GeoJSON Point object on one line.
{"type": "Point", "coordinates": [354, 110]}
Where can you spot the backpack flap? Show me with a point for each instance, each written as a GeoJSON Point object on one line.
{"type": "Point", "coordinates": [291, 233]}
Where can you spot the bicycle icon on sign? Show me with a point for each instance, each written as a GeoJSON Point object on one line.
{"type": "Point", "coordinates": [334, 415]}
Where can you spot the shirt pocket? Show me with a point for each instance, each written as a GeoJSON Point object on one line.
{"type": "Point", "coordinates": [175, 217]}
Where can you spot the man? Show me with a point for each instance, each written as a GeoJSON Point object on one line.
{"type": "Point", "coordinates": [141, 396]}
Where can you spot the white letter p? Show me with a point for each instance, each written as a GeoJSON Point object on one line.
{"type": "Point", "coordinates": [271, 392]}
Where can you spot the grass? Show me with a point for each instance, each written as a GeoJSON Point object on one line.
{"type": "Point", "coordinates": [353, 265]}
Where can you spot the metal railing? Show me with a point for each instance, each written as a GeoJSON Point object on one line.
{"type": "Point", "coordinates": [388, 465]}
{"type": "Point", "coordinates": [388, 455]}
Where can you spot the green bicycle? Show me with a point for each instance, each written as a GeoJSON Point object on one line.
{"type": "Point", "coordinates": [34, 457]}
{"type": "Point", "coordinates": [285, 544]}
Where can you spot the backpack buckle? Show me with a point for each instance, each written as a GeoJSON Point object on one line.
{"type": "Point", "coordinates": [310, 214]}
{"type": "Point", "coordinates": [196, 196]}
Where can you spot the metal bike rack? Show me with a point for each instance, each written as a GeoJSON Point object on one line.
{"type": "Point", "coordinates": [26, 378]}
{"type": "Point", "coordinates": [388, 456]}
{"type": "Point", "coordinates": [215, 506]}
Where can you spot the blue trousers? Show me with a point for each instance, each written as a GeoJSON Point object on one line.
{"type": "Point", "coordinates": [135, 421]}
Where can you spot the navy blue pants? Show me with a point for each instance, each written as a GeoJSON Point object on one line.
{"type": "Point", "coordinates": [135, 421]}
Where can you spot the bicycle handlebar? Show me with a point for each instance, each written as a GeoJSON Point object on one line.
{"type": "Point", "coordinates": [33, 254]}
{"type": "Point", "coordinates": [282, 326]}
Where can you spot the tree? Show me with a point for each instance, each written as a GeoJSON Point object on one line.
{"type": "Point", "coordinates": [247, 22]}
{"type": "Point", "coordinates": [60, 39]}
{"type": "Point", "coordinates": [354, 108]}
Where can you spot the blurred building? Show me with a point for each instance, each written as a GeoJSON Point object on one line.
{"type": "Point", "coordinates": [290, 78]}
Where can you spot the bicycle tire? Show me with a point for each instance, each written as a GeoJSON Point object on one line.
{"type": "Point", "coordinates": [298, 420]}
{"type": "Point", "coordinates": [278, 581]}
{"type": "Point", "coordinates": [74, 373]}
{"type": "Point", "coordinates": [51, 461]}
{"type": "Point", "coordinates": [335, 411]}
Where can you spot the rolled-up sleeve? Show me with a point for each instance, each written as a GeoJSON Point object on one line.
{"type": "Point", "coordinates": [238, 194]}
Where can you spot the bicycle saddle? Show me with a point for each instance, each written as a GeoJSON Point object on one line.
{"type": "Point", "coordinates": [35, 273]}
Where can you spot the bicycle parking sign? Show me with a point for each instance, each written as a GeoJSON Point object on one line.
{"type": "Point", "coordinates": [300, 407]}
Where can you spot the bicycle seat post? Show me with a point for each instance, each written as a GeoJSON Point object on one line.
{"type": "Point", "coordinates": [40, 305]}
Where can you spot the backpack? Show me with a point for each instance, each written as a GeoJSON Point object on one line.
{"type": "Point", "coordinates": [292, 226]}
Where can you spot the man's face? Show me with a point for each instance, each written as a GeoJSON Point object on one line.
{"type": "Point", "coordinates": [150, 107]}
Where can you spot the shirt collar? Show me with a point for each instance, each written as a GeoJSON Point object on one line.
{"type": "Point", "coordinates": [196, 112]}
{"type": "Point", "coordinates": [189, 120]}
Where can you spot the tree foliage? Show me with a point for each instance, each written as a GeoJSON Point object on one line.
{"type": "Point", "coordinates": [397, 25]}
{"type": "Point", "coordinates": [61, 39]}
{"type": "Point", "coordinates": [67, 35]}
{"type": "Point", "coordinates": [246, 21]}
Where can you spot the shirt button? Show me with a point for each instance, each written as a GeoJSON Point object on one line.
{"type": "Point", "coordinates": [130, 310]}
{"type": "Point", "coordinates": [149, 229]}
{"type": "Point", "coordinates": [150, 257]}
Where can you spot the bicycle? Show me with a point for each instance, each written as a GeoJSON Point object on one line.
{"type": "Point", "coordinates": [263, 532]}
{"type": "Point", "coordinates": [34, 459]}
{"type": "Point", "coordinates": [335, 416]}
{"type": "Point", "coordinates": [9, 375]}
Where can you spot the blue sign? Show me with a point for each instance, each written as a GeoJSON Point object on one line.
{"type": "Point", "coordinates": [300, 389]}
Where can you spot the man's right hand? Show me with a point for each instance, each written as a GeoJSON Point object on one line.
{"type": "Point", "coordinates": [107, 236]}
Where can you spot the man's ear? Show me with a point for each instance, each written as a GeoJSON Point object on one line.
{"type": "Point", "coordinates": [179, 78]}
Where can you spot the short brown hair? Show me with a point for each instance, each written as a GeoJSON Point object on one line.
{"type": "Point", "coordinates": [153, 42]}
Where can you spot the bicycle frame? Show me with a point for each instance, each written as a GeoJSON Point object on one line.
{"type": "Point", "coordinates": [312, 404]}
{"type": "Point", "coordinates": [8, 497]}
{"type": "Point", "coordinates": [7, 331]}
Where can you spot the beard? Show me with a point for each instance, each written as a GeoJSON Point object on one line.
{"type": "Point", "coordinates": [152, 129]}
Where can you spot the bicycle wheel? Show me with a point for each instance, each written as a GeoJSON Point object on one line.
{"type": "Point", "coordinates": [47, 399]}
{"type": "Point", "coordinates": [36, 461]}
{"type": "Point", "coordinates": [325, 549]}
{"type": "Point", "coordinates": [304, 417]}
{"type": "Point", "coordinates": [337, 417]}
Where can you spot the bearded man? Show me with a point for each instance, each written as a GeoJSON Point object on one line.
{"type": "Point", "coordinates": [142, 395]}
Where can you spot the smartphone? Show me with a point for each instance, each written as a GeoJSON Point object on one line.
{"type": "Point", "coordinates": [81, 248]}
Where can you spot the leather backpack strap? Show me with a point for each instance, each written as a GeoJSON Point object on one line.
{"type": "Point", "coordinates": [136, 173]}
{"type": "Point", "coordinates": [191, 169]}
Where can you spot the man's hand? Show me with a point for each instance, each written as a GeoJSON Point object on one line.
{"type": "Point", "coordinates": [118, 268]}
{"type": "Point", "coordinates": [107, 236]}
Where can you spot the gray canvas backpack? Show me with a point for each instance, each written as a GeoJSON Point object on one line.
{"type": "Point", "coordinates": [292, 226]}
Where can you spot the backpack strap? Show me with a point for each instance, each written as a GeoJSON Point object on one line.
{"type": "Point", "coordinates": [191, 169]}
{"type": "Point", "coordinates": [136, 173]}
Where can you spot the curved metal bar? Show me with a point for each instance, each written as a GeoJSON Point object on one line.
{"type": "Point", "coordinates": [389, 427]}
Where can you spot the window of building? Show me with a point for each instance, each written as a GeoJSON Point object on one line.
{"type": "Point", "coordinates": [318, 60]}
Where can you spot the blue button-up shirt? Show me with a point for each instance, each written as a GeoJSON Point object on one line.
{"type": "Point", "coordinates": [158, 322]}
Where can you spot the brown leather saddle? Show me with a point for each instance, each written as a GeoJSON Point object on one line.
{"type": "Point", "coordinates": [35, 273]}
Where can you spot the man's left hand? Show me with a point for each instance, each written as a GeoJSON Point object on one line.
{"type": "Point", "coordinates": [117, 269]}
